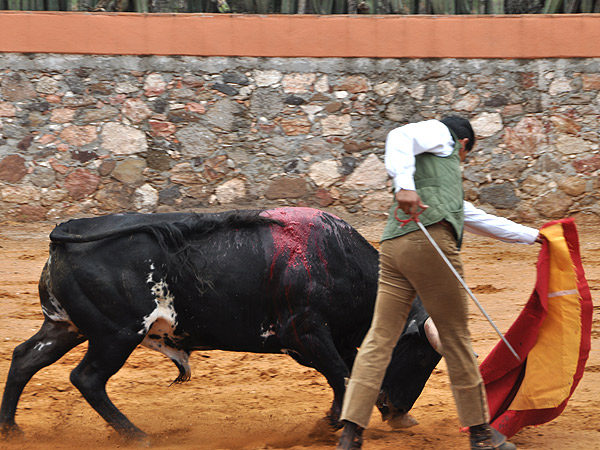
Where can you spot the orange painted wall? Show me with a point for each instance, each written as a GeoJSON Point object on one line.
{"type": "Point", "coordinates": [527, 36]}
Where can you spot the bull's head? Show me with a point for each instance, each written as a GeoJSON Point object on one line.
{"type": "Point", "coordinates": [415, 356]}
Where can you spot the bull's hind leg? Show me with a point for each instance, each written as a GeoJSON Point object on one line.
{"type": "Point", "coordinates": [47, 346]}
{"type": "Point", "coordinates": [310, 343]}
{"type": "Point", "coordinates": [105, 356]}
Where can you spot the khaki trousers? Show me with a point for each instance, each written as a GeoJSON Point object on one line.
{"type": "Point", "coordinates": [410, 265]}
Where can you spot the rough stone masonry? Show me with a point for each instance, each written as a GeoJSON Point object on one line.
{"type": "Point", "coordinates": [86, 135]}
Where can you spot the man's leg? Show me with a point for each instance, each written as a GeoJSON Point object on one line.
{"type": "Point", "coordinates": [446, 302]}
{"type": "Point", "coordinates": [394, 299]}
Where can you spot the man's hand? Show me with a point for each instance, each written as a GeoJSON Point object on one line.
{"type": "Point", "coordinates": [410, 202]}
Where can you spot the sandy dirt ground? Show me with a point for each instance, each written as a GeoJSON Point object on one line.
{"type": "Point", "coordinates": [249, 401]}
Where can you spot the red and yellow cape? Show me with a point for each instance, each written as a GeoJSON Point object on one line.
{"type": "Point", "coordinates": [552, 335]}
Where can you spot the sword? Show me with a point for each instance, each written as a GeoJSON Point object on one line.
{"type": "Point", "coordinates": [457, 275]}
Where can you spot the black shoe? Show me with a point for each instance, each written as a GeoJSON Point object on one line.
{"type": "Point", "coordinates": [351, 438]}
{"type": "Point", "coordinates": [484, 437]}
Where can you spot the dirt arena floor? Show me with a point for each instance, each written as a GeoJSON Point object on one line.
{"type": "Point", "coordinates": [248, 401]}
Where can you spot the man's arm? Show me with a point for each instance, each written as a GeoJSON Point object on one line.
{"type": "Point", "coordinates": [479, 222]}
{"type": "Point", "coordinates": [410, 202]}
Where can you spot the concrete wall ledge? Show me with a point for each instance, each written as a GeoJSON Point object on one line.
{"type": "Point", "coordinates": [519, 36]}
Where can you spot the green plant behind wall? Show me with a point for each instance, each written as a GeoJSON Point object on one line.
{"type": "Point", "coordinates": [437, 7]}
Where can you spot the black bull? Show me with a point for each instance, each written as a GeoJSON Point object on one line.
{"type": "Point", "coordinates": [292, 280]}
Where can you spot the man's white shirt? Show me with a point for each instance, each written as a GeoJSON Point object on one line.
{"type": "Point", "coordinates": [432, 136]}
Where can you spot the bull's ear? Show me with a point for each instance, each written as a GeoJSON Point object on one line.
{"type": "Point", "coordinates": [433, 336]}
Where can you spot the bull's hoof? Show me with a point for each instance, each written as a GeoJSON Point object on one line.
{"type": "Point", "coordinates": [335, 424]}
{"type": "Point", "coordinates": [143, 442]}
{"type": "Point", "coordinates": [136, 438]}
{"type": "Point", "coordinates": [323, 432]}
{"type": "Point", "coordinates": [402, 421]}
{"type": "Point", "coordinates": [10, 431]}
{"type": "Point", "coordinates": [333, 417]}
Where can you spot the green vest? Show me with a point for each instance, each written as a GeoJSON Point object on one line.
{"type": "Point", "coordinates": [438, 181]}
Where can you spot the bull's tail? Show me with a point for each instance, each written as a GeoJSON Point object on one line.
{"type": "Point", "coordinates": [176, 239]}
{"type": "Point", "coordinates": [89, 230]}
{"type": "Point", "coordinates": [63, 235]}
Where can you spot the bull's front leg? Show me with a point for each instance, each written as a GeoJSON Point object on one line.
{"type": "Point", "coordinates": [310, 343]}
{"type": "Point", "coordinates": [10, 430]}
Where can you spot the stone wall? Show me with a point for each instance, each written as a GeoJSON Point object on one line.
{"type": "Point", "coordinates": [83, 135]}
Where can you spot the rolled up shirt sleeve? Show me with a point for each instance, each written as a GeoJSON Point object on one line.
{"type": "Point", "coordinates": [479, 222]}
